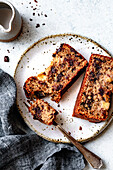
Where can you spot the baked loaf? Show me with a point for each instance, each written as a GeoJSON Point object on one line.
{"type": "Point", "coordinates": [43, 112]}
{"type": "Point", "coordinates": [93, 100]}
{"type": "Point", "coordinates": [66, 66]}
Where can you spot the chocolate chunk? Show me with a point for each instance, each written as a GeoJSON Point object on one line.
{"type": "Point", "coordinates": [71, 62]}
{"type": "Point", "coordinates": [78, 55]}
{"type": "Point", "coordinates": [61, 45]}
{"type": "Point", "coordinates": [84, 93]}
{"type": "Point", "coordinates": [53, 70]}
{"type": "Point", "coordinates": [97, 59]}
{"type": "Point", "coordinates": [83, 103]}
{"type": "Point", "coordinates": [6, 59]}
{"type": "Point", "coordinates": [37, 109]}
{"type": "Point", "coordinates": [59, 87]}
{"type": "Point", "coordinates": [80, 127]}
{"type": "Point", "coordinates": [42, 106]}
{"type": "Point", "coordinates": [91, 76]}
{"type": "Point", "coordinates": [54, 55]}
{"type": "Point", "coordinates": [59, 77]}
{"type": "Point", "coordinates": [73, 69]}
{"type": "Point", "coordinates": [101, 91]}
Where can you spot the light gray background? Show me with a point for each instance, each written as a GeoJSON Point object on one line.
{"type": "Point", "coordinates": [90, 18]}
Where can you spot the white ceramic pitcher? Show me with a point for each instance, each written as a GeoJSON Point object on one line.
{"type": "Point", "coordinates": [10, 21]}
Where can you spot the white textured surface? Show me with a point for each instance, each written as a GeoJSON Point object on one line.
{"type": "Point", "coordinates": [93, 19]}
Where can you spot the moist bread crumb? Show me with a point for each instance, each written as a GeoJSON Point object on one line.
{"type": "Point", "coordinates": [43, 112]}
{"type": "Point", "coordinates": [66, 66]}
{"type": "Point", "coordinates": [93, 101]}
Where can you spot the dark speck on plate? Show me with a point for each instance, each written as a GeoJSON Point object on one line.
{"type": "Point", "coordinates": [6, 59]}
{"type": "Point", "coordinates": [43, 24]}
{"type": "Point", "coordinates": [36, 1]}
{"type": "Point", "coordinates": [70, 38]}
{"type": "Point", "coordinates": [45, 15]}
{"type": "Point", "coordinates": [58, 105]}
{"type": "Point", "coordinates": [69, 133]}
{"type": "Point", "coordinates": [8, 51]}
{"type": "Point", "coordinates": [80, 127]}
{"type": "Point", "coordinates": [37, 25]}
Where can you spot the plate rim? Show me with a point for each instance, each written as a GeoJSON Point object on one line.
{"type": "Point", "coordinates": [27, 122]}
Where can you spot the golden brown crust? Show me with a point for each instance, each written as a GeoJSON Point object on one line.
{"type": "Point", "coordinates": [77, 112]}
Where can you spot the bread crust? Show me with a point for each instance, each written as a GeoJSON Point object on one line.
{"type": "Point", "coordinates": [76, 112]}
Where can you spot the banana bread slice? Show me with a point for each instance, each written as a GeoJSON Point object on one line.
{"type": "Point", "coordinates": [93, 100]}
{"type": "Point", "coordinates": [66, 66]}
{"type": "Point", "coordinates": [43, 112]}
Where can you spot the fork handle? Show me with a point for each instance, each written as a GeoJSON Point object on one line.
{"type": "Point", "coordinates": [94, 160]}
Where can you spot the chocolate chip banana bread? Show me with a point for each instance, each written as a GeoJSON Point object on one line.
{"type": "Point", "coordinates": [43, 112]}
{"type": "Point", "coordinates": [66, 66]}
{"type": "Point", "coordinates": [93, 100]}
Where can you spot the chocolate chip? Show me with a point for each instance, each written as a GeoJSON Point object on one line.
{"type": "Point", "coordinates": [59, 87]}
{"type": "Point", "coordinates": [78, 55]}
{"type": "Point", "coordinates": [54, 55]}
{"type": "Point", "coordinates": [84, 93]}
{"type": "Point", "coordinates": [71, 63]}
{"type": "Point", "coordinates": [31, 19]}
{"type": "Point", "coordinates": [73, 69]}
{"type": "Point", "coordinates": [91, 76]}
{"type": "Point", "coordinates": [83, 103]}
{"type": "Point", "coordinates": [59, 77]}
{"type": "Point", "coordinates": [97, 59]}
{"type": "Point", "coordinates": [53, 70]}
{"type": "Point", "coordinates": [101, 91]}
{"type": "Point", "coordinates": [6, 59]}
{"type": "Point", "coordinates": [61, 45]}
{"type": "Point", "coordinates": [80, 127]}
{"type": "Point", "coordinates": [42, 106]}
{"type": "Point", "coordinates": [37, 110]}
{"type": "Point", "coordinates": [72, 49]}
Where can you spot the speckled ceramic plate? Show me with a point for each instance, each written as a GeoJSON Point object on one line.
{"type": "Point", "coordinates": [35, 60]}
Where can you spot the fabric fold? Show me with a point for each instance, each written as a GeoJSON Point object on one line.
{"type": "Point", "coordinates": [21, 148]}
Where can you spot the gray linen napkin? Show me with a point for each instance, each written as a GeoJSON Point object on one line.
{"type": "Point", "coordinates": [22, 149]}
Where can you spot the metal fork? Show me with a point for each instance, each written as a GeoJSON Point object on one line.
{"type": "Point", "coordinates": [94, 160]}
